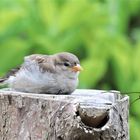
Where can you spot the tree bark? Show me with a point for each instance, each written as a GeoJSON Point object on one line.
{"type": "Point", "coordinates": [84, 115]}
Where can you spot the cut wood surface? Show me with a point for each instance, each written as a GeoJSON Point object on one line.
{"type": "Point", "coordinates": [84, 115]}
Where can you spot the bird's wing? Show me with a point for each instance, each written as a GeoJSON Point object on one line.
{"type": "Point", "coordinates": [43, 61]}
{"type": "Point", "coordinates": [12, 72]}
{"type": "Point", "coordinates": [28, 61]}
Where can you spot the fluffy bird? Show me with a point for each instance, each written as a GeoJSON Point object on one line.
{"type": "Point", "coordinates": [51, 74]}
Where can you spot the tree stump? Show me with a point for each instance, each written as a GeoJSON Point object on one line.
{"type": "Point", "coordinates": [83, 115]}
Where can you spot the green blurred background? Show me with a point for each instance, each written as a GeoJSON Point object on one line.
{"type": "Point", "coordinates": [104, 34]}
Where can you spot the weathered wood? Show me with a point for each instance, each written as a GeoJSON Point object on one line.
{"type": "Point", "coordinates": [84, 115]}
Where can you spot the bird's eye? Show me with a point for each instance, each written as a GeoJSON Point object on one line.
{"type": "Point", "coordinates": [66, 64]}
{"type": "Point", "coordinates": [75, 63]}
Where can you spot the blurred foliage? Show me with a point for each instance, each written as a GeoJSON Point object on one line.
{"type": "Point", "coordinates": [104, 34]}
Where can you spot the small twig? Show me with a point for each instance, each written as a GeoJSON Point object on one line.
{"type": "Point", "coordinates": [131, 92]}
{"type": "Point", "coordinates": [135, 101]}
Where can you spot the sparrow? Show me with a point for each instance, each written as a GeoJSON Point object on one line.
{"type": "Point", "coordinates": [50, 74]}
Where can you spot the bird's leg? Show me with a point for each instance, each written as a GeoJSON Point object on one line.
{"type": "Point", "coordinates": [59, 92]}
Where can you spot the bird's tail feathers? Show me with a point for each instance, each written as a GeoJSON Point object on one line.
{"type": "Point", "coordinates": [2, 81]}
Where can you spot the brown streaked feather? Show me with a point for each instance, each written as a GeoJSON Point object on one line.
{"type": "Point", "coordinates": [12, 72]}
{"type": "Point", "coordinates": [47, 67]}
{"type": "Point", "coordinates": [2, 80]}
{"type": "Point", "coordinates": [44, 62]}
{"type": "Point", "coordinates": [36, 57]}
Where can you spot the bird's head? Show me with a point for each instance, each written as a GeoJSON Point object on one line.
{"type": "Point", "coordinates": [68, 64]}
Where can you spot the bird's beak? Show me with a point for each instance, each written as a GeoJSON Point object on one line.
{"type": "Point", "coordinates": [77, 68]}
